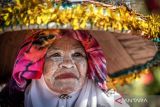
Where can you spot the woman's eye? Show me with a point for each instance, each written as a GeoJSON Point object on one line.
{"type": "Point", "coordinates": [56, 55]}
{"type": "Point", "coordinates": [77, 54]}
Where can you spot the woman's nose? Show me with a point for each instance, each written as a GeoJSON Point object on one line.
{"type": "Point", "coordinates": [67, 63]}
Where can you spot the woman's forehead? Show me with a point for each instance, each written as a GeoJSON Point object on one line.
{"type": "Point", "coordinates": [66, 43]}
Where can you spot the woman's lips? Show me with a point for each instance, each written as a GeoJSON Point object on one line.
{"type": "Point", "coordinates": [66, 76]}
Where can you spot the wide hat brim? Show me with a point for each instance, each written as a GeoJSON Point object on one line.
{"type": "Point", "coordinates": [126, 54]}
{"type": "Point", "coordinates": [130, 46]}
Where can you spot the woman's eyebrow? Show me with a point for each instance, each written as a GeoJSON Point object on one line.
{"type": "Point", "coordinates": [52, 49]}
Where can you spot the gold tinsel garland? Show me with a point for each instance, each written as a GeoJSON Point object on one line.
{"type": "Point", "coordinates": [29, 14]}
{"type": "Point", "coordinates": [125, 79]}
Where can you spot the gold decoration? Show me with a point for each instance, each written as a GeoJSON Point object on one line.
{"type": "Point", "coordinates": [127, 79]}
{"type": "Point", "coordinates": [33, 14]}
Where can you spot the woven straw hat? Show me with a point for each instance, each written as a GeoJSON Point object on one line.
{"type": "Point", "coordinates": [129, 40]}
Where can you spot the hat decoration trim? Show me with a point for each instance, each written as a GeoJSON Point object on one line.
{"type": "Point", "coordinates": [87, 15]}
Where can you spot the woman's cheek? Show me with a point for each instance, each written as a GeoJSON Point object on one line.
{"type": "Point", "coordinates": [49, 68]}
{"type": "Point", "coordinates": [82, 67]}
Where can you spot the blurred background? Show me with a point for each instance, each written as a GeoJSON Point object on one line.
{"type": "Point", "coordinates": [141, 6]}
{"type": "Point", "coordinates": [142, 91]}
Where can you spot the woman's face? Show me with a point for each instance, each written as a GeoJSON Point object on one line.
{"type": "Point", "coordinates": [65, 66]}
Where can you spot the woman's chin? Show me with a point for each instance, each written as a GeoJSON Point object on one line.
{"type": "Point", "coordinates": [66, 82]}
{"type": "Point", "coordinates": [67, 90]}
{"type": "Point", "coordinates": [66, 86]}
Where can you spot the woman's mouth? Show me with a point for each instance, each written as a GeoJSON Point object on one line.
{"type": "Point", "coordinates": [66, 76]}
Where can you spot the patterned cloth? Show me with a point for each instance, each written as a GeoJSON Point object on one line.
{"type": "Point", "coordinates": [31, 57]}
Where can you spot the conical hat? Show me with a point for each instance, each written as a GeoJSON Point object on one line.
{"type": "Point", "coordinates": [129, 40]}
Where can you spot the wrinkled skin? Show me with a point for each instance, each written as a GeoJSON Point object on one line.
{"type": "Point", "coordinates": [65, 66]}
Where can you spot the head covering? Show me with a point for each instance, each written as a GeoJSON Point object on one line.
{"type": "Point", "coordinates": [31, 57]}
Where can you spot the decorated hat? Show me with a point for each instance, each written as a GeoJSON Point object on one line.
{"type": "Point", "coordinates": [130, 40]}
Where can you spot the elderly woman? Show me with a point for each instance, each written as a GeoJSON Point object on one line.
{"type": "Point", "coordinates": [67, 68]}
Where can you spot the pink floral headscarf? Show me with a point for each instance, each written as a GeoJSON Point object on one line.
{"type": "Point", "coordinates": [31, 57]}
